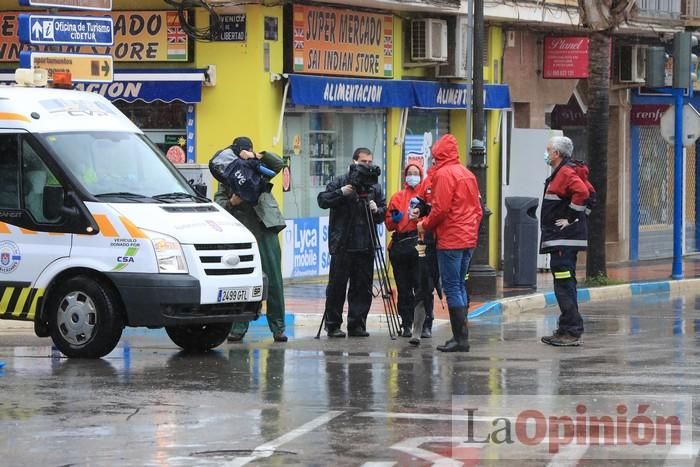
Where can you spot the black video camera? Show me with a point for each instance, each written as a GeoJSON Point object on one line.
{"type": "Point", "coordinates": [363, 176]}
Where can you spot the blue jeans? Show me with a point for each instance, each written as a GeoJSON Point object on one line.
{"type": "Point", "coordinates": [454, 265]}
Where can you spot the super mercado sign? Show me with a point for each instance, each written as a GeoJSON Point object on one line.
{"type": "Point", "coordinates": [333, 41]}
{"type": "Point", "coordinates": [139, 36]}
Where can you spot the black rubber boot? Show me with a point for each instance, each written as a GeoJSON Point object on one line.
{"type": "Point", "coordinates": [460, 332]}
{"type": "Point", "coordinates": [418, 320]}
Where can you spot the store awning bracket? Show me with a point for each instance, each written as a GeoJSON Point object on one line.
{"type": "Point", "coordinates": [403, 121]}
{"type": "Point", "coordinates": [277, 77]}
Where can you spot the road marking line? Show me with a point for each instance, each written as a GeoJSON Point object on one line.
{"type": "Point", "coordinates": [267, 449]}
{"type": "Point", "coordinates": [568, 456]}
{"type": "Point", "coordinates": [677, 454]}
{"type": "Point", "coordinates": [426, 416]}
{"type": "Point", "coordinates": [411, 446]}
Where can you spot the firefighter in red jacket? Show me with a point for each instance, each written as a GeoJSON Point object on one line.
{"type": "Point", "coordinates": [564, 233]}
{"type": "Point", "coordinates": [454, 219]}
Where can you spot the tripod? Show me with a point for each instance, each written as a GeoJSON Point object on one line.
{"type": "Point", "coordinates": [380, 267]}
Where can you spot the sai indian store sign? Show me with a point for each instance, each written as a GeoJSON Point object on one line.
{"type": "Point", "coordinates": [139, 36]}
{"type": "Point", "coordinates": [332, 41]}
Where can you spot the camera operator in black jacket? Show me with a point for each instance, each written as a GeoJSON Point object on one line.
{"type": "Point", "coordinates": [350, 243]}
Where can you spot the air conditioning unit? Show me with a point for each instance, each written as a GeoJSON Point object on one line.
{"type": "Point", "coordinates": [458, 36]}
{"type": "Point", "coordinates": [429, 40]}
{"type": "Point", "coordinates": [632, 64]}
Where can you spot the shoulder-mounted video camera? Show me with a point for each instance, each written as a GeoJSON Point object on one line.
{"type": "Point", "coordinates": [363, 176]}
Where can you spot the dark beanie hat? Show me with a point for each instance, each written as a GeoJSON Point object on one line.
{"type": "Point", "coordinates": [241, 143]}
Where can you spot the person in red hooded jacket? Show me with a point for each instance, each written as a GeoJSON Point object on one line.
{"type": "Point", "coordinates": [454, 218]}
{"type": "Point", "coordinates": [402, 248]}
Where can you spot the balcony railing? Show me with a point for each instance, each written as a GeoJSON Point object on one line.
{"type": "Point", "coordinates": [660, 9]}
{"type": "Point", "coordinates": [691, 9]}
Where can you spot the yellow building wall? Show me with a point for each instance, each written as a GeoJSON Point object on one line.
{"type": "Point", "coordinates": [244, 101]}
{"type": "Point", "coordinates": [492, 74]}
{"type": "Point", "coordinates": [458, 127]}
{"type": "Point", "coordinates": [394, 151]}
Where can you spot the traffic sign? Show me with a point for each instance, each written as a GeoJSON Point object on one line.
{"type": "Point", "coordinates": [691, 125]}
{"type": "Point", "coordinates": [68, 30]}
{"type": "Point", "coordinates": [83, 68]}
{"type": "Point", "coordinates": [102, 5]}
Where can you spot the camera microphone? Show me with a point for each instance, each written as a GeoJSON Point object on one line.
{"type": "Point", "coordinates": [263, 169]}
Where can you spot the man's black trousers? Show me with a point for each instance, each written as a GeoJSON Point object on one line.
{"type": "Point", "coordinates": [357, 268]}
{"type": "Point", "coordinates": [563, 266]}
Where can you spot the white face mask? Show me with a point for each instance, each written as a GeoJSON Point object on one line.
{"type": "Point", "coordinates": [413, 180]}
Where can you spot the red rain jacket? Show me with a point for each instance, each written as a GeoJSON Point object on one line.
{"type": "Point", "coordinates": [456, 208]}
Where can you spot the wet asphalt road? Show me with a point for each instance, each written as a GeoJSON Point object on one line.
{"type": "Point", "coordinates": [372, 401]}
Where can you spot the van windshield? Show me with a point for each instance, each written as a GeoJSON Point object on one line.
{"type": "Point", "coordinates": [124, 167]}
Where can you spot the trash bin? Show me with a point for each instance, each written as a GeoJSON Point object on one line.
{"type": "Point", "coordinates": [520, 242]}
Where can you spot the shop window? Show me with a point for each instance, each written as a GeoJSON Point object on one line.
{"type": "Point", "coordinates": [164, 123]}
{"type": "Point", "coordinates": [423, 128]}
{"type": "Point", "coordinates": [318, 147]}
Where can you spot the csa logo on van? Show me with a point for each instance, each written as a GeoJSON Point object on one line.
{"type": "Point", "coordinates": [9, 257]}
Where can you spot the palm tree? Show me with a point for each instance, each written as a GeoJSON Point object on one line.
{"type": "Point", "coordinates": [600, 18]}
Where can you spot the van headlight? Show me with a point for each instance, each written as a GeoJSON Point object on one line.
{"type": "Point", "coordinates": [169, 254]}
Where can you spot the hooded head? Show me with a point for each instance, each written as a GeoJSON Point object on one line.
{"type": "Point", "coordinates": [241, 143]}
{"type": "Point", "coordinates": [445, 150]}
{"type": "Point", "coordinates": [415, 171]}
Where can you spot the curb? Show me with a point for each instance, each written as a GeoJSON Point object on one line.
{"type": "Point", "coordinates": [520, 304]}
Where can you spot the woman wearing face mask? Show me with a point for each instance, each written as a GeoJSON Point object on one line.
{"type": "Point", "coordinates": [402, 248]}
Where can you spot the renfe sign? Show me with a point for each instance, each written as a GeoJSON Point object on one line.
{"type": "Point", "coordinates": [647, 114]}
{"type": "Point", "coordinates": [566, 57]}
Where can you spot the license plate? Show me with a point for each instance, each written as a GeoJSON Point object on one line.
{"type": "Point", "coordinates": [232, 294]}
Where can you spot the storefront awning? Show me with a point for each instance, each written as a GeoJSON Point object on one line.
{"type": "Point", "coordinates": [184, 85]}
{"type": "Point", "coordinates": [358, 92]}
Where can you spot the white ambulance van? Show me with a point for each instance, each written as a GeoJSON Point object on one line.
{"type": "Point", "coordinates": [98, 230]}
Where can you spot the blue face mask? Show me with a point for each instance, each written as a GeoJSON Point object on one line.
{"type": "Point", "coordinates": [413, 180]}
{"type": "Point", "coordinates": [546, 158]}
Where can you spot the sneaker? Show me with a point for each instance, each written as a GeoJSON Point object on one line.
{"type": "Point", "coordinates": [406, 331]}
{"type": "Point", "coordinates": [336, 333]}
{"type": "Point", "coordinates": [357, 333]}
{"type": "Point", "coordinates": [279, 337]}
{"type": "Point", "coordinates": [233, 337]}
{"type": "Point", "coordinates": [562, 340]}
{"type": "Point", "coordinates": [427, 333]}
{"type": "Point", "coordinates": [414, 341]}
{"type": "Point", "coordinates": [556, 333]}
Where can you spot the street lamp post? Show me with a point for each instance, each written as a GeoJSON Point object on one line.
{"type": "Point", "coordinates": [482, 277]}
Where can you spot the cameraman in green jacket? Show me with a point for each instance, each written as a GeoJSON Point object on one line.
{"type": "Point", "coordinates": [265, 221]}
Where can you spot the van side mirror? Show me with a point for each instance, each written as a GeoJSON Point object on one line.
{"type": "Point", "coordinates": [200, 189]}
{"type": "Point", "coordinates": [53, 202]}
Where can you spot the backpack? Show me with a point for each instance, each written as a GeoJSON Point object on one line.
{"type": "Point", "coordinates": [582, 170]}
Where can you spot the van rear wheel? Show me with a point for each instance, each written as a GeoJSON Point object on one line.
{"type": "Point", "coordinates": [84, 318]}
{"type": "Point", "coordinates": [199, 337]}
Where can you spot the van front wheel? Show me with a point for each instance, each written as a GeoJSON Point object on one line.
{"type": "Point", "coordinates": [199, 337]}
{"type": "Point", "coordinates": [84, 318]}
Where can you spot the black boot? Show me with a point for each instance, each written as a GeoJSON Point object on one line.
{"type": "Point", "coordinates": [460, 332]}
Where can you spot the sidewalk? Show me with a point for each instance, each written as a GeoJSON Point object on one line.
{"type": "Point", "coordinates": [308, 298]}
